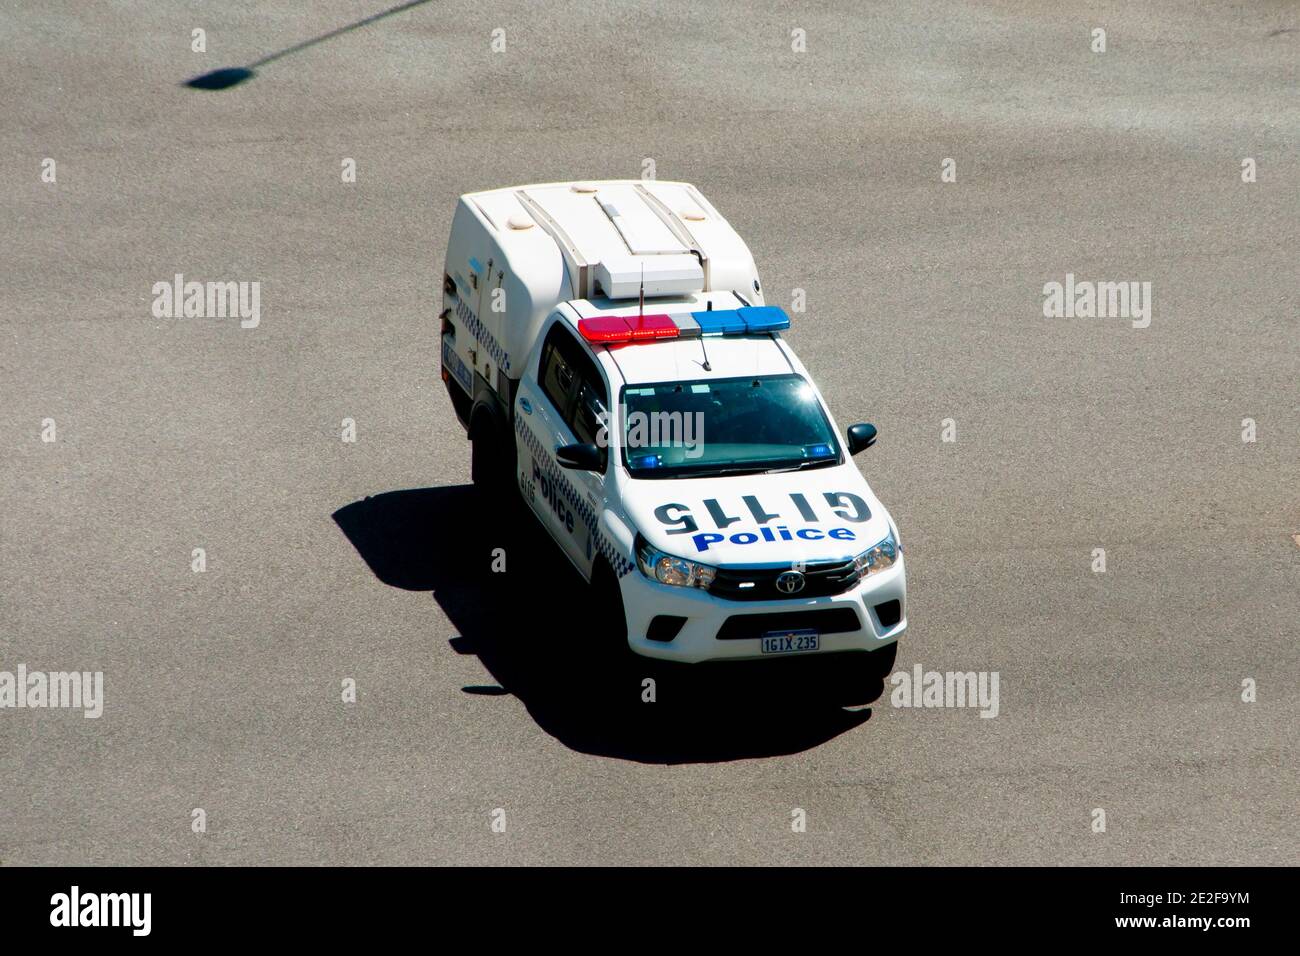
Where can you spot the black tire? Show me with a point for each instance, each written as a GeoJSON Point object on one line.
{"type": "Point", "coordinates": [609, 665]}
{"type": "Point", "coordinates": [608, 642]}
{"type": "Point", "coordinates": [485, 457]}
{"type": "Point", "coordinates": [861, 678]}
{"type": "Point", "coordinates": [492, 469]}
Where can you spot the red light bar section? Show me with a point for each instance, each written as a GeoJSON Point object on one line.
{"type": "Point", "coordinates": [613, 329]}
{"type": "Point", "coordinates": [605, 328]}
{"type": "Point", "coordinates": [651, 327]}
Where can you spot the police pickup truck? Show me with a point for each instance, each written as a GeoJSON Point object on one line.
{"type": "Point", "coordinates": [608, 349]}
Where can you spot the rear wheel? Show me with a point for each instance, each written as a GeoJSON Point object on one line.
{"type": "Point", "coordinates": [486, 457]}
{"type": "Point", "coordinates": [492, 470]}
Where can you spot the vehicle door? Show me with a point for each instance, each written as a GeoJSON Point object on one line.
{"type": "Point", "coordinates": [544, 399]}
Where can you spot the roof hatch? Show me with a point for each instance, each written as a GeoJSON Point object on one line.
{"type": "Point", "coordinates": [617, 236]}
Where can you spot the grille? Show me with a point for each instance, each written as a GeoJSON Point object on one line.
{"type": "Point", "coordinates": [821, 579]}
{"type": "Point", "coordinates": [741, 627]}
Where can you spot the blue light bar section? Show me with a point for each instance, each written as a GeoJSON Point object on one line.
{"type": "Point", "coordinates": [764, 318]}
{"type": "Point", "coordinates": [720, 322]}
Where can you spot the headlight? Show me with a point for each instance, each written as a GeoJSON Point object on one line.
{"type": "Point", "coordinates": [668, 569]}
{"type": "Point", "coordinates": [878, 557]}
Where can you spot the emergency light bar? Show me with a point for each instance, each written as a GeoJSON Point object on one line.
{"type": "Point", "coordinates": [622, 329]}
{"type": "Point", "coordinates": [627, 328]}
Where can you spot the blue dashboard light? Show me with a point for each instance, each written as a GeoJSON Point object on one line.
{"type": "Point", "coordinates": [647, 461]}
{"type": "Point", "coordinates": [817, 451]}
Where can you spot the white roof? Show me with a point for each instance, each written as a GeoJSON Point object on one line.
{"type": "Point", "coordinates": [615, 232]}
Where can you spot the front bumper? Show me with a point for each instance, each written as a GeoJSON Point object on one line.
{"type": "Point", "coordinates": [705, 615]}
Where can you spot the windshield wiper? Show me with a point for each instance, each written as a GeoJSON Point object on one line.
{"type": "Point", "coordinates": [714, 472]}
{"type": "Point", "coordinates": [759, 469]}
{"type": "Point", "coordinates": [816, 463]}
{"type": "Point", "coordinates": [750, 469]}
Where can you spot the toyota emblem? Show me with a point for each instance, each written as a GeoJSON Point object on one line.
{"type": "Point", "coordinates": [791, 582]}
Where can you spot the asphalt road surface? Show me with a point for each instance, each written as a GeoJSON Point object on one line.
{"type": "Point", "coordinates": [327, 561]}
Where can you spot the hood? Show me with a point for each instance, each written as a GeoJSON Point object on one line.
{"type": "Point", "coordinates": [817, 515]}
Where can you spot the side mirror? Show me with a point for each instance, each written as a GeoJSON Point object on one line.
{"type": "Point", "coordinates": [583, 456]}
{"type": "Point", "coordinates": [861, 437]}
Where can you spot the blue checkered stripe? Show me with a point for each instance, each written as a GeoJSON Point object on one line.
{"type": "Point", "coordinates": [486, 339]}
{"type": "Point", "coordinates": [586, 514]}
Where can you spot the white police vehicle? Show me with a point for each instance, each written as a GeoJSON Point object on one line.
{"type": "Point", "coordinates": [607, 345]}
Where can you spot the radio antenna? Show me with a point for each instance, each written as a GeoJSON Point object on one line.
{"type": "Point", "coordinates": [707, 367]}
{"type": "Point", "coordinates": [641, 304]}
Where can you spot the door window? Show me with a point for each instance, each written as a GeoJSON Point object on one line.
{"type": "Point", "coordinates": [572, 381]}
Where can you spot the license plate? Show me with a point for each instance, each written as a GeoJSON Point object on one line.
{"type": "Point", "coordinates": [789, 642]}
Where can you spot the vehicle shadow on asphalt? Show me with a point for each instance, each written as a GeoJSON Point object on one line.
{"type": "Point", "coordinates": [528, 627]}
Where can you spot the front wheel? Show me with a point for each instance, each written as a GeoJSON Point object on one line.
{"type": "Point", "coordinates": [861, 678]}
{"type": "Point", "coordinates": [609, 665]}
{"type": "Point", "coordinates": [608, 638]}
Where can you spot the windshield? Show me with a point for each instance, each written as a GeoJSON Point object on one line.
{"type": "Point", "coordinates": [722, 427]}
